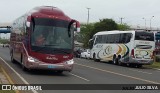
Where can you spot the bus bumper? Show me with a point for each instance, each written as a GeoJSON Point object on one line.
{"type": "Point", "coordinates": [47, 66]}
{"type": "Point", "coordinates": [141, 61]}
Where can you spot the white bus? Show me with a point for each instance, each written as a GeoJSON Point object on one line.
{"type": "Point", "coordinates": [129, 47]}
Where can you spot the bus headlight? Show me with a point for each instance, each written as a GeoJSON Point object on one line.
{"type": "Point", "coordinates": [70, 61]}
{"type": "Point", "coordinates": [31, 59]}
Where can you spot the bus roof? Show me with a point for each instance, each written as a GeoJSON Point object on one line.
{"type": "Point", "coordinates": [118, 31]}
{"type": "Point", "coordinates": [48, 12]}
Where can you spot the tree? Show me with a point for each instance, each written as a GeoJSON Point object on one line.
{"type": "Point", "coordinates": [85, 34]}
{"type": "Point", "coordinates": [123, 27]}
{"type": "Point", "coordinates": [88, 30]}
{"type": "Point", "coordinates": [4, 41]}
{"type": "Point", "coordinates": [106, 25]}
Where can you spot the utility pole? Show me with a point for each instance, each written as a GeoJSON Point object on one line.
{"type": "Point", "coordinates": [121, 20]}
{"type": "Point", "coordinates": [88, 15]}
{"type": "Point", "coordinates": [150, 23]}
{"type": "Point", "coordinates": [144, 22]}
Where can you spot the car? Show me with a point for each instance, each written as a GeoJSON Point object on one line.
{"type": "Point", "coordinates": [5, 45]}
{"type": "Point", "coordinates": [77, 52]}
{"type": "Point", "coordinates": [85, 54]}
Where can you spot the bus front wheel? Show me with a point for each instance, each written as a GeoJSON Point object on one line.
{"type": "Point", "coordinates": [23, 64]}
{"type": "Point", "coordinates": [94, 58]}
{"type": "Point", "coordinates": [115, 60]}
{"type": "Point", "coordinates": [12, 59]}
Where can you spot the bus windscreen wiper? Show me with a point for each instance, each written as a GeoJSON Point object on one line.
{"type": "Point", "coordinates": [43, 47]}
{"type": "Point", "coordinates": [50, 45]}
{"type": "Point", "coordinates": [61, 50]}
{"type": "Point", "coordinates": [54, 50]}
{"type": "Point", "coordinates": [39, 49]}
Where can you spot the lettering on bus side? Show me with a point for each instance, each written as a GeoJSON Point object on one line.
{"type": "Point", "coordinates": [141, 42]}
{"type": "Point", "coordinates": [99, 46]}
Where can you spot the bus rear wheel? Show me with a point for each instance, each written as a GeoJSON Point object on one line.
{"type": "Point", "coordinates": [94, 58]}
{"type": "Point", "coordinates": [139, 65]}
{"type": "Point", "coordinates": [120, 63]}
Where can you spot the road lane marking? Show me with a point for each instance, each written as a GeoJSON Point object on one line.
{"type": "Point", "coordinates": [119, 74]}
{"type": "Point", "coordinates": [140, 71]}
{"type": "Point", "coordinates": [9, 79]}
{"type": "Point", "coordinates": [79, 77]}
{"type": "Point", "coordinates": [25, 82]}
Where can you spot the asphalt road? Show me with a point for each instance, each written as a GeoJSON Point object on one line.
{"type": "Point", "coordinates": [85, 72]}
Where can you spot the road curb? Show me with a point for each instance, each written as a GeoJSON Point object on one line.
{"type": "Point", "coordinates": [8, 78]}
{"type": "Point", "coordinates": [154, 68]}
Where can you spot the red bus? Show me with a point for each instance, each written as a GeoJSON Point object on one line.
{"type": "Point", "coordinates": [43, 39]}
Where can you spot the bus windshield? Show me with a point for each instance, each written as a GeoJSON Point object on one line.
{"type": "Point", "coordinates": [51, 36]}
{"type": "Point", "coordinates": [144, 36]}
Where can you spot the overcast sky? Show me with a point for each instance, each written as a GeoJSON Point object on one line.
{"type": "Point", "coordinates": [131, 10]}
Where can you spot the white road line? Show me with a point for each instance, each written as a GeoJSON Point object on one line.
{"type": "Point", "coordinates": [140, 71]}
{"type": "Point", "coordinates": [108, 71]}
{"type": "Point", "coordinates": [156, 69]}
{"type": "Point", "coordinates": [25, 82]}
{"type": "Point", "coordinates": [79, 77]}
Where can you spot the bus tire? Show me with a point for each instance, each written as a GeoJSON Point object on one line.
{"type": "Point", "coordinates": [12, 59]}
{"type": "Point", "coordinates": [22, 64]}
{"type": "Point", "coordinates": [118, 60]}
{"type": "Point", "coordinates": [94, 58]}
{"type": "Point", "coordinates": [132, 65]}
{"type": "Point", "coordinates": [115, 60]}
{"type": "Point", "coordinates": [120, 63]}
{"type": "Point", "coordinates": [139, 65]}
{"type": "Point", "coordinates": [60, 71]}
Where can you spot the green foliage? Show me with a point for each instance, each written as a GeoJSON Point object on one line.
{"type": "Point", "coordinates": [123, 27]}
{"type": "Point", "coordinates": [4, 41]}
{"type": "Point", "coordinates": [105, 25]}
{"type": "Point", "coordinates": [85, 34]}
{"type": "Point", "coordinates": [88, 30]}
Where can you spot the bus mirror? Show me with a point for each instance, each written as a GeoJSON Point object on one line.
{"type": "Point", "coordinates": [90, 40]}
{"type": "Point", "coordinates": [33, 23]}
{"type": "Point", "coordinates": [90, 43]}
{"type": "Point", "coordinates": [78, 29]}
{"type": "Point", "coordinates": [75, 24]}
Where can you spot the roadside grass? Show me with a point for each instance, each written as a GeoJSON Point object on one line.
{"type": "Point", "coordinates": [154, 65]}
{"type": "Point", "coordinates": [7, 91]}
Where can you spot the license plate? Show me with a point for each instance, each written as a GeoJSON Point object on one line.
{"type": "Point", "coordinates": [50, 66]}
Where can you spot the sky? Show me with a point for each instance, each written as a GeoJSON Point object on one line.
{"type": "Point", "coordinates": [132, 11]}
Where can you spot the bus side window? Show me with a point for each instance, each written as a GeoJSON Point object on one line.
{"type": "Point", "coordinates": [123, 38]}
{"type": "Point", "coordinates": [128, 37]}
{"type": "Point", "coordinates": [91, 42]}
{"type": "Point", "coordinates": [112, 38]}
{"type": "Point", "coordinates": [95, 39]}
{"type": "Point", "coordinates": [106, 39]}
